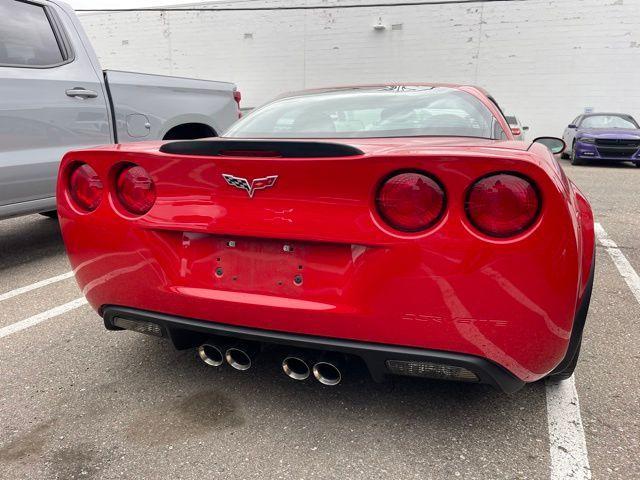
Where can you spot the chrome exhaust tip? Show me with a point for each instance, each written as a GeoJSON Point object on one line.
{"type": "Point", "coordinates": [296, 368]}
{"type": "Point", "coordinates": [238, 358]}
{"type": "Point", "coordinates": [327, 373]}
{"type": "Point", "coordinates": [210, 355]}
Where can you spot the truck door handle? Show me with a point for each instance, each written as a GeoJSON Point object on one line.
{"type": "Point", "coordinates": [81, 92]}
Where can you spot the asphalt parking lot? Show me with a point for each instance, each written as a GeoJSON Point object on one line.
{"type": "Point", "coordinates": [78, 401]}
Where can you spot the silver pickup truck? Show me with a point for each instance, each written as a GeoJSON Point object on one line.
{"type": "Point", "coordinates": [55, 97]}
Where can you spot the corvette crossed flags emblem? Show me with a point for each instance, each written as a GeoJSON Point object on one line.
{"type": "Point", "coordinates": [250, 187]}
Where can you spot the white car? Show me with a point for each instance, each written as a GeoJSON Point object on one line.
{"type": "Point", "coordinates": [516, 127]}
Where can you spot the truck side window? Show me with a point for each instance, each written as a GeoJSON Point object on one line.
{"type": "Point", "coordinates": [27, 37]}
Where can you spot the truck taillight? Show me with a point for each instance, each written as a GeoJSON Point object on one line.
{"type": "Point", "coordinates": [85, 187]}
{"type": "Point", "coordinates": [516, 131]}
{"type": "Point", "coordinates": [410, 201]}
{"type": "Point", "coordinates": [237, 96]}
{"type": "Point", "coordinates": [503, 204]}
{"type": "Point", "coordinates": [135, 189]}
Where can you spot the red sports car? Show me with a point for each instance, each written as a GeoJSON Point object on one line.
{"type": "Point", "coordinates": [399, 226]}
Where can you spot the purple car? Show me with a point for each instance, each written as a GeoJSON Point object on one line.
{"type": "Point", "coordinates": [603, 136]}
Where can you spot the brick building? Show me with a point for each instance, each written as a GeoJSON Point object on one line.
{"type": "Point", "coordinates": [544, 60]}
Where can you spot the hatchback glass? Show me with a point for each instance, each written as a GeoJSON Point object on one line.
{"type": "Point", "coordinates": [369, 112]}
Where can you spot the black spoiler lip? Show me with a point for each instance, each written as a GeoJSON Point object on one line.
{"type": "Point", "coordinates": [285, 148]}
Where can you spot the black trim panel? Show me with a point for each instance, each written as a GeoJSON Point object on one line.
{"type": "Point", "coordinates": [188, 333]}
{"type": "Point", "coordinates": [112, 109]}
{"type": "Point", "coordinates": [579, 322]}
{"type": "Point", "coordinates": [285, 149]}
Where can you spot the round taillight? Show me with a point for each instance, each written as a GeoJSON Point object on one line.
{"type": "Point", "coordinates": [85, 187]}
{"type": "Point", "coordinates": [135, 189]}
{"type": "Point", "coordinates": [503, 205]}
{"type": "Point", "coordinates": [410, 201]}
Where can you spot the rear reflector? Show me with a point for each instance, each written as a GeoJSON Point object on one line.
{"type": "Point", "coordinates": [410, 201]}
{"type": "Point", "coordinates": [135, 189]}
{"type": "Point", "coordinates": [139, 326]}
{"type": "Point", "coordinates": [85, 187]}
{"type": "Point", "coordinates": [431, 370]}
{"type": "Point", "coordinates": [503, 205]}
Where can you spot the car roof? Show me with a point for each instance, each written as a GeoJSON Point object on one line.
{"type": "Point", "coordinates": [598, 114]}
{"type": "Point", "coordinates": [338, 88]}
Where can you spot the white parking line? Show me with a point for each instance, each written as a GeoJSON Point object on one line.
{"type": "Point", "coordinates": [622, 264]}
{"type": "Point", "coordinates": [41, 317]}
{"type": "Point", "coordinates": [33, 286]}
{"type": "Point", "coordinates": [567, 445]}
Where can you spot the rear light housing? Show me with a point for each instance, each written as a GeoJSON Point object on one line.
{"type": "Point", "coordinates": [438, 371]}
{"type": "Point", "coordinates": [503, 205]}
{"type": "Point", "coordinates": [85, 187]}
{"type": "Point", "coordinates": [410, 201]}
{"type": "Point", "coordinates": [135, 189]}
{"type": "Point", "coordinates": [139, 326]}
{"type": "Point", "coordinates": [237, 96]}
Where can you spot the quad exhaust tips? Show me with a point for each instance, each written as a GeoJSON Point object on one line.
{"type": "Point", "coordinates": [296, 368]}
{"type": "Point", "coordinates": [239, 357]}
{"type": "Point", "coordinates": [327, 373]}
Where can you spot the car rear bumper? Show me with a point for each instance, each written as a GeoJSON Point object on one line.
{"type": "Point", "coordinates": [188, 333]}
{"type": "Point", "coordinates": [510, 309]}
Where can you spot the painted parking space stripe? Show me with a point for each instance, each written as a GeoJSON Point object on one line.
{"type": "Point", "coordinates": [567, 444]}
{"type": "Point", "coordinates": [34, 286]}
{"type": "Point", "coordinates": [629, 275]}
{"type": "Point", "coordinates": [41, 317]}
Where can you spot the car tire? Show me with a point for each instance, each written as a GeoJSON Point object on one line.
{"type": "Point", "coordinates": [52, 214]}
{"type": "Point", "coordinates": [568, 372]}
{"type": "Point", "coordinates": [564, 156]}
{"type": "Point", "coordinates": [637, 164]}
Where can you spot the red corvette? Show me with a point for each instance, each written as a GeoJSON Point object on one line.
{"type": "Point", "coordinates": [399, 226]}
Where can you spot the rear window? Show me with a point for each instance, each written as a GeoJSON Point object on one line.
{"type": "Point", "coordinates": [393, 111]}
{"type": "Point", "coordinates": [26, 36]}
{"type": "Point", "coordinates": [511, 120]}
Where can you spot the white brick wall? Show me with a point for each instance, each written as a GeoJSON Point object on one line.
{"type": "Point", "coordinates": [545, 60]}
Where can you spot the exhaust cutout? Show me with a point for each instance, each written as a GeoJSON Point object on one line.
{"type": "Point", "coordinates": [327, 373]}
{"type": "Point", "coordinates": [211, 355]}
{"type": "Point", "coordinates": [238, 358]}
{"type": "Point", "coordinates": [296, 368]}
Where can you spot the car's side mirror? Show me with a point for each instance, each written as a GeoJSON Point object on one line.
{"type": "Point", "coordinates": [573, 126]}
{"type": "Point", "coordinates": [556, 145]}
{"type": "Point", "coordinates": [525, 129]}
